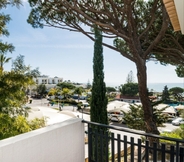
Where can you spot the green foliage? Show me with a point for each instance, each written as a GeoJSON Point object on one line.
{"type": "Point", "coordinates": [3, 60]}
{"type": "Point", "coordinates": [66, 85]}
{"type": "Point", "coordinates": [68, 101]}
{"type": "Point", "coordinates": [129, 89]}
{"type": "Point", "coordinates": [4, 47]}
{"type": "Point", "coordinates": [98, 104]}
{"type": "Point", "coordinates": [98, 99]}
{"type": "Point", "coordinates": [19, 66]}
{"type": "Point", "coordinates": [66, 93]}
{"type": "Point", "coordinates": [165, 95]}
{"type": "Point", "coordinates": [180, 71]}
{"type": "Point", "coordinates": [53, 91]}
{"type": "Point", "coordinates": [135, 117]}
{"type": "Point", "coordinates": [177, 133]}
{"type": "Point", "coordinates": [5, 3]}
{"type": "Point", "coordinates": [177, 93]}
{"type": "Point", "coordinates": [12, 126]}
{"type": "Point", "coordinates": [37, 123]}
{"type": "Point", "coordinates": [41, 89]}
{"type": "Point", "coordinates": [176, 90]}
{"type": "Point", "coordinates": [13, 87]}
{"type": "Point", "coordinates": [140, 31]}
{"type": "Point", "coordinates": [171, 135]}
{"type": "Point", "coordinates": [78, 90]}
{"type": "Point", "coordinates": [12, 92]}
{"type": "Point", "coordinates": [110, 89]}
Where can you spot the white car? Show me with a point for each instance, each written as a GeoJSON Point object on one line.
{"type": "Point", "coordinates": [178, 121]}
{"type": "Point", "coordinates": [116, 117]}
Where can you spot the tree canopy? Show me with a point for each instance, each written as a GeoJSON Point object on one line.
{"type": "Point", "coordinates": [135, 118]}
{"type": "Point", "coordinates": [180, 71]}
{"type": "Point", "coordinates": [19, 66]}
{"type": "Point", "coordinates": [129, 89]}
{"type": "Point", "coordinates": [177, 92]}
{"type": "Point", "coordinates": [110, 89]}
{"type": "Point", "coordinates": [117, 19]}
{"type": "Point", "coordinates": [12, 88]}
{"type": "Point", "coordinates": [66, 85]}
{"type": "Point", "coordinates": [4, 19]}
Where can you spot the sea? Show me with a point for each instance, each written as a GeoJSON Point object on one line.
{"type": "Point", "coordinates": [157, 87]}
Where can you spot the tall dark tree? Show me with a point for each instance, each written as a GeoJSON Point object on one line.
{"type": "Point", "coordinates": [98, 104]}
{"type": "Point", "coordinates": [165, 95]}
{"type": "Point", "coordinates": [98, 99]}
{"type": "Point", "coordinates": [139, 30]}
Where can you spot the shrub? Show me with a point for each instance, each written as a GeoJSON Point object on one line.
{"type": "Point", "coordinates": [173, 134]}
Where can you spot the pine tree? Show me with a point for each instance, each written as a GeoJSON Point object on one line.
{"type": "Point", "coordinates": [130, 77]}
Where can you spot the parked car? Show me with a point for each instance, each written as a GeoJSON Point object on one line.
{"type": "Point", "coordinates": [178, 121]}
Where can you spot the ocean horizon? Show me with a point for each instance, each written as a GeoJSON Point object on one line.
{"type": "Point", "coordinates": [157, 87]}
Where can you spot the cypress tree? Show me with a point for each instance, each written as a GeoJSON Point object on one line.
{"type": "Point", "coordinates": [99, 103]}
{"type": "Point", "coordinates": [98, 99]}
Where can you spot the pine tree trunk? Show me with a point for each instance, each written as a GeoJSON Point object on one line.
{"type": "Point", "coordinates": [143, 94]}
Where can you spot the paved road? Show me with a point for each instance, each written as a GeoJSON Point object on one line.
{"type": "Point", "coordinates": [54, 116]}
{"type": "Point", "coordinates": [51, 113]}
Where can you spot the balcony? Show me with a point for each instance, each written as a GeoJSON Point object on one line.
{"type": "Point", "coordinates": [64, 142]}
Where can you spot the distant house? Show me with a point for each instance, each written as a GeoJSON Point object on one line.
{"type": "Point", "coordinates": [47, 81]}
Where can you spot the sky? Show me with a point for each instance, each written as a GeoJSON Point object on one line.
{"type": "Point", "coordinates": [69, 55]}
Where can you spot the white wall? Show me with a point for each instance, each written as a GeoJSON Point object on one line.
{"type": "Point", "coordinates": [62, 142]}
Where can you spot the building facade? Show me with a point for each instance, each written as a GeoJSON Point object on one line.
{"type": "Point", "coordinates": [49, 82]}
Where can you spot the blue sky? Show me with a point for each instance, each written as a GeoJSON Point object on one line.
{"type": "Point", "coordinates": [70, 55]}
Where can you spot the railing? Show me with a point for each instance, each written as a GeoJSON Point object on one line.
{"type": "Point", "coordinates": [117, 144]}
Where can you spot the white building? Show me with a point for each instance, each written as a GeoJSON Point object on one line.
{"type": "Point", "coordinates": [48, 81]}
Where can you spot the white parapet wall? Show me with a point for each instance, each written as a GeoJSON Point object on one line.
{"type": "Point", "coordinates": [62, 142]}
